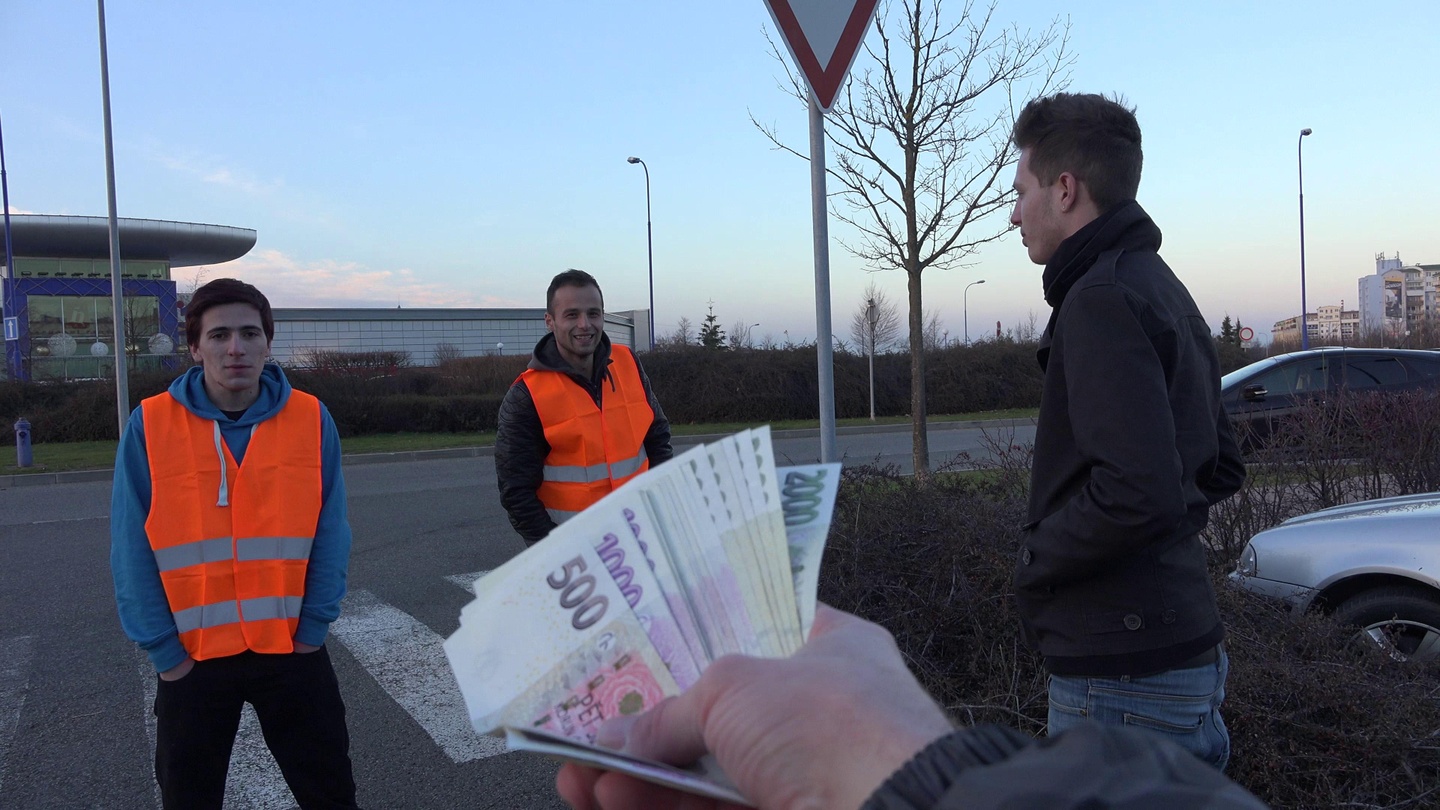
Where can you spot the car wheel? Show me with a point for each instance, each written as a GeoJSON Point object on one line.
{"type": "Point", "coordinates": [1403, 621]}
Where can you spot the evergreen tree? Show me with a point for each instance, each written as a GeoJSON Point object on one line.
{"type": "Point", "coordinates": [1227, 331]}
{"type": "Point", "coordinates": [712, 336]}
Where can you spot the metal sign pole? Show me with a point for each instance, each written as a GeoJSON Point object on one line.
{"type": "Point", "coordinates": [824, 340]}
{"type": "Point", "coordinates": [122, 372]}
{"type": "Point", "coordinates": [7, 283]}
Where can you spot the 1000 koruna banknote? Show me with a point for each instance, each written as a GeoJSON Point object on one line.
{"type": "Point", "coordinates": [716, 552]}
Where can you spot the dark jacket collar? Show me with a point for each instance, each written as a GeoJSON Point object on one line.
{"type": "Point", "coordinates": [546, 357]}
{"type": "Point", "coordinates": [1124, 226]}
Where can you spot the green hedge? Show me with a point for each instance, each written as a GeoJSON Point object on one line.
{"type": "Point", "coordinates": [694, 385]}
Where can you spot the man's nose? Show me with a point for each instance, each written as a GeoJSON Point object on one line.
{"type": "Point", "coordinates": [1015, 215]}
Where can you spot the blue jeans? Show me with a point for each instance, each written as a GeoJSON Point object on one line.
{"type": "Point", "coordinates": [1182, 705]}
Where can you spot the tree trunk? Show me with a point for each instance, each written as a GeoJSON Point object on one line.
{"type": "Point", "coordinates": [921, 446]}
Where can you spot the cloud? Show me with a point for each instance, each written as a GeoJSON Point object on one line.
{"type": "Point", "coordinates": [289, 282]}
{"type": "Point", "coordinates": [207, 170]}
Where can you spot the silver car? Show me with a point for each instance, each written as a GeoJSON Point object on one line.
{"type": "Point", "coordinates": [1374, 565]}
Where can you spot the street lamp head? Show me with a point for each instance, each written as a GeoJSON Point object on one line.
{"type": "Point", "coordinates": [981, 281]}
{"type": "Point", "coordinates": [637, 160]}
{"type": "Point", "coordinates": [1304, 132]}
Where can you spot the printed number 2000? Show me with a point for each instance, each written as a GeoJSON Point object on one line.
{"type": "Point", "coordinates": [577, 593]}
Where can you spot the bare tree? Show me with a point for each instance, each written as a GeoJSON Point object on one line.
{"type": "Point", "coordinates": [683, 336]}
{"type": "Point", "coordinates": [935, 336]}
{"type": "Point", "coordinates": [740, 335]}
{"type": "Point", "coordinates": [887, 321]}
{"type": "Point", "coordinates": [447, 353]}
{"type": "Point", "coordinates": [1028, 330]}
{"type": "Point", "coordinates": [921, 137]}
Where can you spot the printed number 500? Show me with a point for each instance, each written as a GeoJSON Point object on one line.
{"type": "Point", "coordinates": [577, 593]}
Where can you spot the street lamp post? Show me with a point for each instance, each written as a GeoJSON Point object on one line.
{"type": "Point", "coordinates": [649, 245]}
{"type": "Point", "coordinates": [965, 307]}
{"type": "Point", "coordinates": [871, 313]}
{"type": "Point", "coordinates": [1304, 307]}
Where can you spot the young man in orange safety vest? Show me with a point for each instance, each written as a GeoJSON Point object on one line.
{"type": "Point", "coordinates": [580, 421]}
{"type": "Point", "coordinates": [229, 550]}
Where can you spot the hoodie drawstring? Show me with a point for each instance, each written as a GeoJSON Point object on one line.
{"type": "Point", "coordinates": [223, 498]}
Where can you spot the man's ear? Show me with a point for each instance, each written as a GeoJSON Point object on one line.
{"type": "Point", "coordinates": [1072, 192]}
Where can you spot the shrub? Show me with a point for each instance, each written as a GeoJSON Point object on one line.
{"type": "Point", "coordinates": [1314, 720]}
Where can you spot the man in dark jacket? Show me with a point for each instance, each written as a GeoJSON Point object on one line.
{"type": "Point", "coordinates": [580, 421]}
{"type": "Point", "coordinates": [1132, 446]}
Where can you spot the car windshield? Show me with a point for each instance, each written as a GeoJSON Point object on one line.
{"type": "Point", "coordinates": [1241, 373]}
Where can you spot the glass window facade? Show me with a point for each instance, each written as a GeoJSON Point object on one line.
{"type": "Point", "coordinates": [89, 268]}
{"type": "Point", "coordinates": [73, 336]}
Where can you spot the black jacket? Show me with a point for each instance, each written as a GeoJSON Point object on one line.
{"type": "Point", "coordinates": [1132, 447]}
{"type": "Point", "coordinates": [1090, 766]}
{"type": "Point", "coordinates": [520, 446]}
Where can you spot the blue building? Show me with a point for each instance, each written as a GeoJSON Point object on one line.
{"type": "Point", "coordinates": [57, 299]}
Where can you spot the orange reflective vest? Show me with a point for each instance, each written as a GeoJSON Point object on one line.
{"type": "Point", "coordinates": [593, 450]}
{"type": "Point", "coordinates": [232, 541]}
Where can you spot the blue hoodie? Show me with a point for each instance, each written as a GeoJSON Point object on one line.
{"type": "Point", "coordinates": [139, 594]}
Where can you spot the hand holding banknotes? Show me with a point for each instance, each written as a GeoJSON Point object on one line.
{"type": "Point", "coordinates": [822, 728]}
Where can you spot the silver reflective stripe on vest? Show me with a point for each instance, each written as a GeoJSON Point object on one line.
{"type": "Point", "coordinates": [629, 466]}
{"type": "Point", "coordinates": [206, 616]}
{"type": "Point", "coordinates": [249, 549]}
{"type": "Point", "coordinates": [271, 607]}
{"type": "Point", "coordinates": [198, 552]}
{"type": "Point", "coordinates": [574, 474]}
{"type": "Point", "coordinates": [560, 515]}
{"type": "Point", "coordinates": [254, 610]}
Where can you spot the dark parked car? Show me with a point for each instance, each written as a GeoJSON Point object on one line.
{"type": "Point", "coordinates": [1260, 396]}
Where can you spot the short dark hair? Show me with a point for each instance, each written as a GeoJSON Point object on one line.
{"type": "Point", "coordinates": [226, 291]}
{"type": "Point", "coordinates": [1093, 137]}
{"type": "Point", "coordinates": [571, 278]}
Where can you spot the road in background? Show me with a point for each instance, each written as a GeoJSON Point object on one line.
{"type": "Point", "coordinates": [952, 444]}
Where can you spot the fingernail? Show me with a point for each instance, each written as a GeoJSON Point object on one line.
{"type": "Point", "coordinates": [613, 732]}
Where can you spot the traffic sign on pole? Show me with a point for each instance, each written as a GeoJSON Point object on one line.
{"type": "Point", "coordinates": [823, 37]}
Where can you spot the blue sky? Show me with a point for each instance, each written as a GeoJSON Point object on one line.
{"type": "Point", "coordinates": [460, 154]}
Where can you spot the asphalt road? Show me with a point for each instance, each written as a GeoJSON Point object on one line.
{"type": "Point", "coordinates": [75, 694]}
{"type": "Point", "coordinates": [960, 444]}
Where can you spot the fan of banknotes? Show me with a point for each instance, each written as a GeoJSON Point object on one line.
{"type": "Point", "coordinates": [712, 553]}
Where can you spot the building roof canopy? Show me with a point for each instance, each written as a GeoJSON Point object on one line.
{"type": "Point", "coordinates": [182, 244]}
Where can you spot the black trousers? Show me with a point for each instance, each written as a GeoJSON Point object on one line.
{"type": "Point", "coordinates": [297, 700]}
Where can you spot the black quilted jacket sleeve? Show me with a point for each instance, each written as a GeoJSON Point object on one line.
{"type": "Point", "coordinates": [1085, 768]}
{"type": "Point", "coordinates": [520, 451]}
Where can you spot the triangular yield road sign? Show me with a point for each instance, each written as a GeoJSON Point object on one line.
{"type": "Point", "coordinates": [823, 37]}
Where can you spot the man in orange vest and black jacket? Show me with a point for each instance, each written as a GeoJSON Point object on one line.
{"type": "Point", "coordinates": [580, 421]}
{"type": "Point", "coordinates": [229, 550]}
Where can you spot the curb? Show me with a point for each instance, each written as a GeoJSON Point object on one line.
{"type": "Point", "coordinates": [87, 476]}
